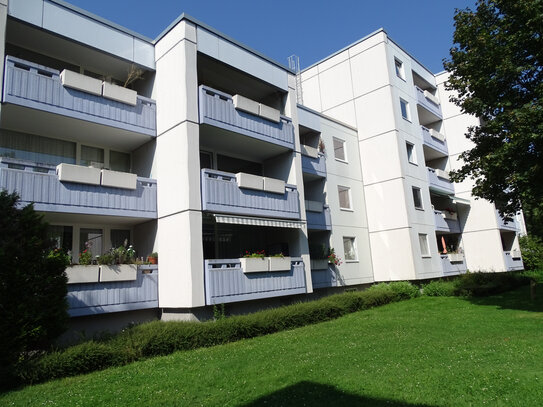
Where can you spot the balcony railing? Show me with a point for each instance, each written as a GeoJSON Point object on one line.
{"type": "Point", "coordinates": [318, 216]}
{"type": "Point", "coordinates": [435, 142]}
{"type": "Point", "coordinates": [429, 102]}
{"type": "Point", "coordinates": [438, 182]}
{"type": "Point", "coordinates": [445, 223]}
{"type": "Point", "coordinates": [39, 87]}
{"type": "Point", "coordinates": [506, 224]}
{"type": "Point", "coordinates": [226, 281]}
{"type": "Point", "coordinates": [217, 109]}
{"type": "Point", "coordinates": [314, 166]}
{"type": "Point", "coordinates": [115, 296]}
{"type": "Point", "coordinates": [453, 263]}
{"type": "Point", "coordinates": [40, 184]}
{"type": "Point", "coordinates": [513, 260]}
{"type": "Point", "coordinates": [222, 193]}
{"type": "Point", "coordinates": [324, 278]}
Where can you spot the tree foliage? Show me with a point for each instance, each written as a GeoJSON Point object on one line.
{"type": "Point", "coordinates": [496, 73]}
{"type": "Point", "coordinates": [33, 307]}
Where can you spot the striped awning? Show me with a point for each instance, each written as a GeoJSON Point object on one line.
{"type": "Point", "coordinates": [251, 221]}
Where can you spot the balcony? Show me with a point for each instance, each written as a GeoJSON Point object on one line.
{"type": "Point", "coordinates": [315, 166]}
{"type": "Point", "coordinates": [446, 222]}
{"type": "Point", "coordinates": [115, 296]}
{"type": "Point", "coordinates": [513, 260]}
{"type": "Point", "coordinates": [243, 116]}
{"type": "Point", "coordinates": [453, 263]}
{"type": "Point", "coordinates": [227, 281]}
{"type": "Point", "coordinates": [38, 87]}
{"type": "Point", "coordinates": [323, 275]}
{"type": "Point", "coordinates": [318, 216]}
{"type": "Point", "coordinates": [506, 224]}
{"type": "Point", "coordinates": [40, 184]}
{"type": "Point", "coordinates": [246, 194]}
{"type": "Point", "coordinates": [434, 140]}
{"type": "Point", "coordinates": [439, 181]}
{"type": "Point", "coordinates": [429, 102]}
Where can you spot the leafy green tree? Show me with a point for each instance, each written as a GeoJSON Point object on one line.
{"type": "Point", "coordinates": [532, 252]}
{"type": "Point", "coordinates": [496, 72]}
{"type": "Point", "coordinates": [33, 306]}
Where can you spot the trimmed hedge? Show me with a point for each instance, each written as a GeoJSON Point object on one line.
{"type": "Point", "coordinates": [162, 338]}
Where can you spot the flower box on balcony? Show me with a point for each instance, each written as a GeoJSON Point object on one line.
{"type": "Point", "coordinates": [118, 272]}
{"type": "Point", "coordinates": [119, 94]}
{"type": "Point", "coordinates": [449, 215]}
{"type": "Point", "coordinates": [279, 263]}
{"type": "Point", "coordinates": [245, 104]}
{"type": "Point", "coordinates": [78, 274]}
{"type": "Point", "coordinates": [456, 257]}
{"type": "Point", "coordinates": [250, 181]}
{"type": "Point", "coordinates": [320, 264]}
{"type": "Point", "coordinates": [78, 173]}
{"type": "Point", "coordinates": [275, 186]}
{"type": "Point", "coordinates": [309, 151]}
{"type": "Point", "coordinates": [254, 264]}
{"type": "Point", "coordinates": [81, 82]}
{"type": "Point", "coordinates": [119, 179]}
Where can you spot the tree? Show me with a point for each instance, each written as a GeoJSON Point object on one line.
{"type": "Point", "coordinates": [496, 73]}
{"type": "Point", "coordinates": [33, 306]}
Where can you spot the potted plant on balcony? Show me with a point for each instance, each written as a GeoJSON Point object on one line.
{"type": "Point", "coordinates": [118, 264]}
{"type": "Point", "coordinates": [85, 271]}
{"type": "Point", "coordinates": [254, 262]}
{"type": "Point", "coordinates": [333, 258]}
{"type": "Point", "coordinates": [153, 258]}
{"type": "Point", "coordinates": [278, 262]}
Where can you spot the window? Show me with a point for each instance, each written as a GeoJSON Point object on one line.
{"type": "Point", "coordinates": [91, 239]}
{"type": "Point", "coordinates": [411, 157]}
{"type": "Point", "coordinates": [206, 160]}
{"type": "Point", "coordinates": [417, 198]}
{"type": "Point", "coordinates": [404, 106]}
{"type": "Point", "coordinates": [423, 240]}
{"type": "Point", "coordinates": [119, 161]}
{"type": "Point", "coordinates": [349, 248]}
{"type": "Point", "coordinates": [92, 156]}
{"type": "Point", "coordinates": [399, 68]}
{"type": "Point", "coordinates": [344, 197]}
{"type": "Point", "coordinates": [36, 148]}
{"type": "Point", "coordinates": [120, 237]}
{"type": "Point", "coordinates": [62, 236]}
{"type": "Point", "coordinates": [339, 149]}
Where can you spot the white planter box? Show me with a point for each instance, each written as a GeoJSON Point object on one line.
{"type": "Point", "coordinates": [81, 82]}
{"type": "Point", "coordinates": [314, 206]}
{"type": "Point", "coordinates": [515, 254]}
{"type": "Point", "coordinates": [442, 174]}
{"type": "Point", "coordinates": [119, 179]}
{"type": "Point", "coordinates": [270, 113]}
{"type": "Point", "coordinates": [309, 151]}
{"type": "Point", "coordinates": [78, 173]}
{"type": "Point", "coordinates": [437, 135]}
{"type": "Point", "coordinates": [273, 185]}
{"type": "Point", "coordinates": [321, 264]}
{"type": "Point", "coordinates": [254, 264]}
{"type": "Point", "coordinates": [245, 104]}
{"type": "Point", "coordinates": [119, 272]}
{"type": "Point", "coordinates": [280, 263]}
{"type": "Point", "coordinates": [456, 257]}
{"type": "Point", "coordinates": [431, 98]}
{"type": "Point", "coordinates": [249, 181]}
{"type": "Point", "coordinates": [78, 274]}
{"type": "Point", "coordinates": [450, 216]}
{"type": "Point", "coordinates": [120, 94]}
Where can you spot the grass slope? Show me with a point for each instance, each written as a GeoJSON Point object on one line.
{"type": "Point", "coordinates": [427, 351]}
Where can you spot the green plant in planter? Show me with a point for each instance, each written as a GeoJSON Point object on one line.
{"type": "Point", "coordinates": [333, 257]}
{"type": "Point", "coordinates": [85, 257]}
{"type": "Point", "coordinates": [280, 255]}
{"type": "Point", "coordinates": [119, 255]}
{"type": "Point", "coordinates": [318, 251]}
{"type": "Point", "coordinates": [259, 254]}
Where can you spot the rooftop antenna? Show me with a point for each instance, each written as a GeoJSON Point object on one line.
{"type": "Point", "coordinates": [294, 64]}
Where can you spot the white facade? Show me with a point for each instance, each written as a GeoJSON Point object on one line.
{"type": "Point", "coordinates": [213, 159]}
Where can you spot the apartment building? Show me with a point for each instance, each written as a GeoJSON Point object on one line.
{"type": "Point", "coordinates": [196, 147]}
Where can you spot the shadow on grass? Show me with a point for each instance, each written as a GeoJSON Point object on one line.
{"type": "Point", "coordinates": [517, 299]}
{"type": "Point", "coordinates": [316, 394]}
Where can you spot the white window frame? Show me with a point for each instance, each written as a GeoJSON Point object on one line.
{"type": "Point", "coordinates": [405, 103]}
{"type": "Point", "coordinates": [340, 189]}
{"type": "Point", "coordinates": [417, 190]}
{"type": "Point", "coordinates": [424, 246]}
{"type": "Point", "coordinates": [352, 239]}
{"type": "Point", "coordinates": [411, 153]}
{"type": "Point", "coordinates": [399, 68]}
{"type": "Point", "coordinates": [344, 159]}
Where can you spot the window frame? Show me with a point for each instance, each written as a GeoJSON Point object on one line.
{"type": "Point", "coordinates": [417, 191]}
{"type": "Point", "coordinates": [399, 69]}
{"type": "Point", "coordinates": [352, 239]}
{"type": "Point", "coordinates": [424, 245]}
{"type": "Point", "coordinates": [344, 159]}
{"type": "Point", "coordinates": [411, 153]}
{"type": "Point", "coordinates": [407, 116]}
{"type": "Point", "coordinates": [343, 188]}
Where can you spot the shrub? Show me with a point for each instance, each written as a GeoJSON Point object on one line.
{"type": "Point", "coordinates": [483, 284]}
{"type": "Point", "coordinates": [32, 286]}
{"type": "Point", "coordinates": [532, 252]}
{"type": "Point", "coordinates": [439, 288]}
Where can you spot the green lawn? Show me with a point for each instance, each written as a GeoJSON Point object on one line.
{"type": "Point", "coordinates": [427, 351]}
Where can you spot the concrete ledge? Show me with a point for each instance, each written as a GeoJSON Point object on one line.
{"type": "Point", "coordinates": [81, 82]}
{"type": "Point", "coordinates": [245, 104]}
{"type": "Point", "coordinates": [250, 181]}
{"type": "Point", "coordinates": [279, 263]}
{"type": "Point", "coordinates": [254, 264]}
{"type": "Point", "coordinates": [78, 173]}
{"type": "Point", "coordinates": [78, 274]}
{"type": "Point", "coordinates": [273, 185]}
{"type": "Point", "coordinates": [269, 113]}
{"type": "Point", "coordinates": [120, 94]}
{"type": "Point", "coordinates": [119, 179]}
{"type": "Point", "coordinates": [118, 272]}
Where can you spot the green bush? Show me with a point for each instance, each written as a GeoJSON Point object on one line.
{"type": "Point", "coordinates": [483, 284]}
{"type": "Point", "coordinates": [532, 252]}
{"type": "Point", "coordinates": [439, 288]}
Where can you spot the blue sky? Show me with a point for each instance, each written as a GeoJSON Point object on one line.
{"type": "Point", "coordinates": [310, 29]}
